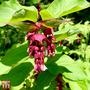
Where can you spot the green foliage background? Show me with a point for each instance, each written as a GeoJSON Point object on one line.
{"type": "Point", "coordinates": [11, 38]}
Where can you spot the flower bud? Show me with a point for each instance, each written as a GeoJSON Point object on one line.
{"type": "Point", "coordinates": [52, 46]}
{"type": "Point", "coordinates": [36, 48]}
{"type": "Point", "coordinates": [42, 48]}
{"type": "Point", "coordinates": [36, 61]}
{"type": "Point", "coordinates": [51, 55]}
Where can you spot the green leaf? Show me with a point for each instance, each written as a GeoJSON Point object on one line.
{"type": "Point", "coordinates": [52, 85]}
{"type": "Point", "coordinates": [45, 15]}
{"type": "Point", "coordinates": [69, 31]}
{"type": "Point", "coordinates": [74, 86]}
{"type": "Point", "coordinates": [25, 13]}
{"type": "Point", "coordinates": [75, 76]}
{"type": "Point", "coordinates": [52, 22]}
{"type": "Point", "coordinates": [15, 55]}
{"type": "Point", "coordinates": [79, 85]}
{"type": "Point", "coordinates": [56, 69]}
{"type": "Point", "coordinates": [11, 11]}
{"type": "Point", "coordinates": [82, 85]}
{"type": "Point", "coordinates": [77, 71]}
{"type": "Point", "coordinates": [63, 7]}
{"type": "Point", "coordinates": [65, 33]}
{"type": "Point", "coordinates": [88, 84]}
{"type": "Point", "coordinates": [26, 27]}
{"type": "Point", "coordinates": [4, 69]}
{"type": "Point", "coordinates": [18, 74]}
{"type": "Point", "coordinates": [44, 80]}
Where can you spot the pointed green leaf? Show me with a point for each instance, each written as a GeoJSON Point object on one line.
{"type": "Point", "coordinates": [25, 13]}
{"type": "Point", "coordinates": [15, 55]}
{"type": "Point", "coordinates": [18, 74]}
{"type": "Point", "coordinates": [60, 8]}
{"type": "Point", "coordinates": [12, 11]}
{"type": "Point", "coordinates": [44, 80]}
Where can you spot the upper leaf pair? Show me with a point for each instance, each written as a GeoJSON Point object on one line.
{"type": "Point", "coordinates": [12, 11]}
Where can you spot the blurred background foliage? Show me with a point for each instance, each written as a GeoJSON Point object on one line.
{"type": "Point", "coordinates": [10, 37]}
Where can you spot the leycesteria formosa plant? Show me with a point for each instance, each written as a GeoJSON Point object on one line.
{"type": "Point", "coordinates": [51, 70]}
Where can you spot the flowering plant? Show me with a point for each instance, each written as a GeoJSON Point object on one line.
{"type": "Point", "coordinates": [49, 70]}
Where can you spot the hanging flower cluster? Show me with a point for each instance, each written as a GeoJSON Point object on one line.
{"type": "Point", "coordinates": [60, 82]}
{"type": "Point", "coordinates": [37, 48]}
